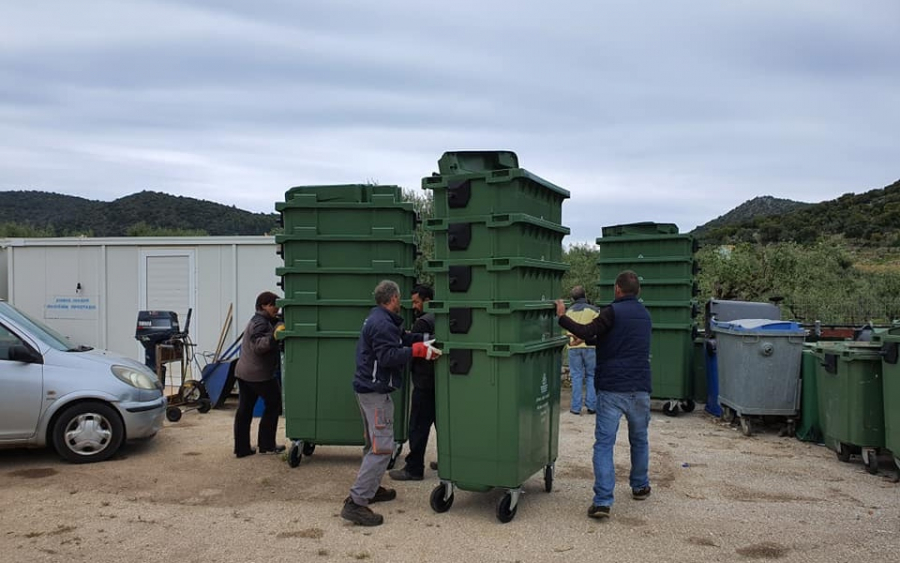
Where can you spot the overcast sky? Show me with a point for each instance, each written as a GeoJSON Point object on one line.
{"type": "Point", "coordinates": [664, 110]}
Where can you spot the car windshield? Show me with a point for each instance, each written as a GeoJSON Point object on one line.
{"type": "Point", "coordinates": [47, 335]}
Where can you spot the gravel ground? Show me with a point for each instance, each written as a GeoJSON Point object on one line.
{"type": "Point", "coordinates": [717, 496]}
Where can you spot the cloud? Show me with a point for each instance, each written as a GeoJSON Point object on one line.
{"type": "Point", "coordinates": [664, 111]}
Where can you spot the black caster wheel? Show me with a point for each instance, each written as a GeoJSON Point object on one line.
{"type": "Point", "coordinates": [438, 502]}
{"type": "Point", "coordinates": [687, 405]}
{"type": "Point", "coordinates": [308, 448]}
{"type": "Point", "coordinates": [670, 408]}
{"type": "Point", "coordinates": [843, 452]}
{"type": "Point", "coordinates": [504, 512]}
{"type": "Point", "coordinates": [173, 414]}
{"type": "Point", "coordinates": [294, 455]}
{"type": "Point", "coordinates": [727, 414]}
{"type": "Point", "coordinates": [746, 426]}
{"type": "Point", "coordinates": [548, 478]}
{"type": "Point", "coordinates": [870, 458]}
{"type": "Point", "coordinates": [204, 406]}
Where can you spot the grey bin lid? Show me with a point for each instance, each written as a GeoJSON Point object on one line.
{"type": "Point", "coordinates": [757, 326]}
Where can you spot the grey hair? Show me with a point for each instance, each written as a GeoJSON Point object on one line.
{"type": "Point", "coordinates": [578, 292]}
{"type": "Point", "coordinates": [385, 291]}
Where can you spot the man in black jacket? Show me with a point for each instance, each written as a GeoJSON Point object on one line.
{"type": "Point", "coordinates": [421, 415]}
{"type": "Point", "coordinates": [383, 350]}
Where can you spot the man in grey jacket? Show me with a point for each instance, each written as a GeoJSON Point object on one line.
{"type": "Point", "coordinates": [255, 374]}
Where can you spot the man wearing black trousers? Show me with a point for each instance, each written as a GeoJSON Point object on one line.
{"type": "Point", "coordinates": [255, 373]}
{"type": "Point", "coordinates": [422, 414]}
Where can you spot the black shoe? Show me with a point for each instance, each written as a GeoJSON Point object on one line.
{"type": "Point", "coordinates": [576, 413]}
{"type": "Point", "coordinates": [433, 465]}
{"type": "Point", "coordinates": [640, 494]}
{"type": "Point", "coordinates": [404, 475]}
{"type": "Point", "coordinates": [384, 495]}
{"type": "Point", "coordinates": [277, 450]}
{"type": "Point", "coordinates": [245, 454]}
{"type": "Point", "coordinates": [361, 515]}
{"type": "Point", "coordinates": [599, 512]}
{"type": "Point", "coordinates": [592, 411]}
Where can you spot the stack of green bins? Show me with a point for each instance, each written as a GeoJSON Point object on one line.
{"type": "Point", "coordinates": [338, 243]}
{"type": "Point", "coordinates": [890, 379]}
{"type": "Point", "coordinates": [497, 268]}
{"type": "Point", "coordinates": [664, 261]}
{"type": "Point", "coordinates": [851, 399]}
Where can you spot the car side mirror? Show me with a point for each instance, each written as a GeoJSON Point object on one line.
{"type": "Point", "coordinates": [22, 353]}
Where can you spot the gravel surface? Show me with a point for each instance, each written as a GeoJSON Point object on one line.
{"type": "Point", "coordinates": [717, 496]}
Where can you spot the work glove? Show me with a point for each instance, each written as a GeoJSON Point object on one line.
{"type": "Point", "coordinates": [425, 350]}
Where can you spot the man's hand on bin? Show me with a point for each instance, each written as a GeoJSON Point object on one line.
{"type": "Point", "coordinates": [560, 308]}
{"type": "Point", "coordinates": [425, 350]}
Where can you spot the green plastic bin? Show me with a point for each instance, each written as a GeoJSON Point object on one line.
{"type": "Point", "coordinates": [327, 316]}
{"type": "Point", "coordinates": [341, 193]}
{"type": "Point", "coordinates": [698, 370]}
{"type": "Point", "coordinates": [672, 312]}
{"type": "Point", "coordinates": [809, 429]}
{"type": "Point", "coordinates": [890, 371]}
{"type": "Point", "coordinates": [461, 162]}
{"type": "Point", "coordinates": [498, 279]}
{"type": "Point", "coordinates": [645, 228]}
{"type": "Point", "coordinates": [350, 219]}
{"type": "Point", "coordinates": [336, 251]}
{"type": "Point", "coordinates": [501, 191]}
{"type": "Point", "coordinates": [489, 236]}
{"type": "Point", "coordinates": [671, 351]}
{"type": "Point", "coordinates": [653, 289]}
{"type": "Point", "coordinates": [650, 268]}
{"type": "Point", "coordinates": [494, 321]}
{"type": "Point", "coordinates": [851, 399]}
{"type": "Point", "coordinates": [319, 286]}
{"type": "Point", "coordinates": [647, 247]}
{"type": "Point", "coordinates": [320, 406]}
{"type": "Point", "coordinates": [498, 415]}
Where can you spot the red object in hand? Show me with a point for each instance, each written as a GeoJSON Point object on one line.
{"type": "Point", "coordinates": [425, 350]}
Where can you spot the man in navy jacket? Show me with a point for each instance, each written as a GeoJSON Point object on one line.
{"type": "Point", "coordinates": [621, 333]}
{"type": "Point", "coordinates": [383, 350]}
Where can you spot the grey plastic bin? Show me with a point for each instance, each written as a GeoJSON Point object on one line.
{"type": "Point", "coordinates": [759, 369]}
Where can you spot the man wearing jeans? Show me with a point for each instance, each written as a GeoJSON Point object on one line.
{"type": "Point", "coordinates": [382, 351]}
{"type": "Point", "coordinates": [582, 358]}
{"type": "Point", "coordinates": [621, 333]}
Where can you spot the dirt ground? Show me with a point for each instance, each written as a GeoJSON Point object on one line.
{"type": "Point", "coordinates": [717, 496]}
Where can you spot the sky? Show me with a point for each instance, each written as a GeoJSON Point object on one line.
{"type": "Point", "coordinates": [664, 110]}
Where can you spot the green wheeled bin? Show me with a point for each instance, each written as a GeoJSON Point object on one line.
{"type": "Point", "coordinates": [498, 414]}
{"type": "Point", "coordinates": [851, 399]}
{"type": "Point", "coordinates": [809, 429]}
{"type": "Point", "coordinates": [890, 378]}
{"type": "Point", "coordinates": [671, 353]}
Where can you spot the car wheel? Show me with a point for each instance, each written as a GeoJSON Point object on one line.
{"type": "Point", "coordinates": [88, 432]}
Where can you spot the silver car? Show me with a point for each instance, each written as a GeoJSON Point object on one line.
{"type": "Point", "coordinates": [83, 402]}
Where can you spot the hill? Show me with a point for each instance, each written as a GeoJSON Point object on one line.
{"type": "Point", "coordinates": [756, 208]}
{"type": "Point", "coordinates": [141, 213]}
{"type": "Point", "coordinates": [871, 218]}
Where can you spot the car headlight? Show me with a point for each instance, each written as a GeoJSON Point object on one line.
{"type": "Point", "coordinates": [135, 378]}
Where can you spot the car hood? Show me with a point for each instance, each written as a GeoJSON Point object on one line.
{"type": "Point", "coordinates": [105, 357]}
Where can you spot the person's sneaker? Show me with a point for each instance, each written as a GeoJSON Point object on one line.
{"type": "Point", "coordinates": [278, 450]}
{"type": "Point", "coordinates": [599, 512]}
{"type": "Point", "coordinates": [252, 451]}
{"type": "Point", "coordinates": [592, 411]}
{"type": "Point", "coordinates": [433, 465]}
{"type": "Point", "coordinates": [384, 495]}
{"type": "Point", "coordinates": [640, 494]}
{"type": "Point", "coordinates": [361, 515]}
{"type": "Point", "coordinates": [404, 475]}
{"type": "Point", "coordinates": [576, 413]}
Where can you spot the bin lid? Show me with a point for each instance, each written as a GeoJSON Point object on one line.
{"type": "Point", "coordinates": [756, 325]}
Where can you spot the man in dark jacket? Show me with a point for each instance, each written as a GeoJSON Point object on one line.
{"type": "Point", "coordinates": [621, 333]}
{"type": "Point", "coordinates": [255, 373]}
{"type": "Point", "coordinates": [422, 409]}
{"type": "Point", "coordinates": [383, 350]}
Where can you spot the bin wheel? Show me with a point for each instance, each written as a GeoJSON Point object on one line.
{"type": "Point", "coordinates": [294, 455]}
{"type": "Point", "coordinates": [173, 414]}
{"type": "Point", "coordinates": [670, 408]}
{"type": "Point", "coordinates": [308, 448]}
{"type": "Point", "coordinates": [548, 477]}
{"type": "Point", "coordinates": [897, 462]}
{"type": "Point", "coordinates": [504, 512]}
{"type": "Point", "coordinates": [398, 448]}
{"type": "Point", "coordinates": [843, 452]}
{"type": "Point", "coordinates": [204, 406]}
{"type": "Point", "coordinates": [746, 426]}
{"type": "Point", "coordinates": [870, 458]}
{"type": "Point", "coordinates": [687, 405]}
{"type": "Point", "coordinates": [727, 414]}
{"type": "Point", "coordinates": [438, 503]}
